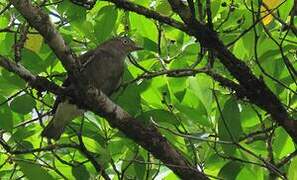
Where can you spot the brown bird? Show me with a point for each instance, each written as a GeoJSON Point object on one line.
{"type": "Point", "coordinates": [104, 67]}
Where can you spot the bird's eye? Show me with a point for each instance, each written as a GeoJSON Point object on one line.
{"type": "Point", "coordinates": [125, 41]}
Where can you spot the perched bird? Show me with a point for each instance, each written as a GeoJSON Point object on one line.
{"type": "Point", "coordinates": [104, 67]}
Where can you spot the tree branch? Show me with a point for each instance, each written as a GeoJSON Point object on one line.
{"type": "Point", "coordinates": [43, 149]}
{"type": "Point", "coordinates": [38, 82]}
{"type": "Point", "coordinates": [258, 92]}
{"type": "Point", "coordinates": [148, 13]}
{"type": "Point", "coordinates": [94, 100]}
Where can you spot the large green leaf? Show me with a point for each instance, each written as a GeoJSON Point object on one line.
{"type": "Point", "coordinates": [143, 27]}
{"type": "Point", "coordinates": [159, 116]}
{"type": "Point", "coordinates": [3, 22]}
{"type": "Point", "coordinates": [163, 7]}
{"type": "Point", "coordinates": [6, 121]}
{"type": "Point", "coordinates": [152, 96]}
{"type": "Point", "coordinates": [230, 170]}
{"type": "Point", "coordinates": [192, 108]}
{"type": "Point", "coordinates": [80, 172]}
{"type": "Point", "coordinates": [251, 172]}
{"type": "Point", "coordinates": [12, 79]}
{"type": "Point", "coordinates": [140, 168]}
{"type": "Point", "coordinates": [73, 12]}
{"type": "Point", "coordinates": [286, 8]}
{"type": "Point", "coordinates": [34, 171]}
{"type": "Point", "coordinates": [282, 144]}
{"type": "Point", "coordinates": [22, 133]}
{"type": "Point", "coordinates": [129, 95]}
{"type": "Point", "coordinates": [229, 126]}
{"type": "Point", "coordinates": [32, 61]}
{"type": "Point", "coordinates": [5, 48]}
{"type": "Point", "coordinates": [23, 104]}
{"type": "Point", "coordinates": [201, 86]}
{"type": "Point", "coordinates": [248, 116]}
{"type": "Point", "coordinates": [105, 22]}
{"type": "Point", "coordinates": [292, 173]}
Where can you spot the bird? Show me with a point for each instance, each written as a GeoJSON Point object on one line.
{"type": "Point", "coordinates": [104, 68]}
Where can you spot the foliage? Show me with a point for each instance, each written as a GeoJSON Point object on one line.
{"type": "Point", "coordinates": [226, 136]}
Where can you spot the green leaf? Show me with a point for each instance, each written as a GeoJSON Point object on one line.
{"type": "Point", "coordinates": [195, 115]}
{"type": "Point", "coordinates": [152, 96]}
{"type": "Point", "coordinates": [239, 49]}
{"type": "Point", "coordinates": [6, 88]}
{"type": "Point", "coordinates": [215, 6]}
{"type": "Point", "coordinates": [171, 176]}
{"type": "Point", "coordinates": [230, 170]}
{"type": "Point", "coordinates": [292, 173]}
{"type": "Point", "coordinates": [6, 121]}
{"type": "Point", "coordinates": [129, 95]}
{"type": "Point", "coordinates": [248, 116]}
{"type": "Point", "coordinates": [229, 125]}
{"type": "Point", "coordinates": [23, 104]}
{"type": "Point", "coordinates": [5, 48]}
{"type": "Point", "coordinates": [282, 144]}
{"type": "Point", "coordinates": [105, 22]}
{"type": "Point", "coordinates": [24, 145]}
{"type": "Point", "coordinates": [126, 164]}
{"type": "Point", "coordinates": [285, 9]}
{"type": "Point", "coordinates": [143, 27]}
{"type": "Point", "coordinates": [193, 109]}
{"type": "Point", "coordinates": [117, 147]}
{"type": "Point", "coordinates": [92, 145]}
{"type": "Point", "coordinates": [140, 168]}
{"type": "Point", "coordinates": [251, 172]}
{"type": "Point", "coordinates": [3, 22]}
{"type": "Point", "coordinates": [32, 61]}
{"type": "Point", "coordinates": [73, 12]}
{"type": "Point", "coordinates": [158, 115]}
{"type": "Point", "coordinates": [13, 79]}
{"type": "Point", "coordinates": [150, 45]}
{"type": "Point", "coordinates": [34, 171]}
{"type": "Point", "coordinates": [22, 133]}
{"type": "Point", "coordinates": [266, 45]}
{"type": "Point", "coordinates": [163, 7]}
{"type": "Point", "coordinates": [201, 86]}
{"type": "Point", "coordinates": [80, 172]}
{"type": "Point", "coordinates": [214, 163]}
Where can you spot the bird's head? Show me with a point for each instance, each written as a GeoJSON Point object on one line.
{"type": "Point", "coordinates": [122, 44]}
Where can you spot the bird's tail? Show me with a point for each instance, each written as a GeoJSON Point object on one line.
{"type": "Point", "coordinates": [64, 114]}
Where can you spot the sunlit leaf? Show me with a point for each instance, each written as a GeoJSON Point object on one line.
{"type": "Point", "coordinates": [34, 42]}
{"type": "Point", "coordinates": [269, 5]}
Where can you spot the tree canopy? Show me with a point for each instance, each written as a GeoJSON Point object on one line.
{"type": "Point", "coordinates": [213, 95]}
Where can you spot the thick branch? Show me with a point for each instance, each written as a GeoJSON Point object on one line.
{"type": "Point", "coordinates": [148, 13]}
{"type": "Point", "coordinates": [43, 149]}
{"type": "Point", "coordinates": [41, 22]}
{"type": "Point", "coordinates": [37, 82]}
{"type": "Point", "coordinates": [224, 82]}
{"type": "Point", "coordinates": [258, 92]}
{"type": "Point", "coordinates": [149, 138]}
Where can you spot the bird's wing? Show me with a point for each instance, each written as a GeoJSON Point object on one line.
{"type": "Point", "coordinates": [98, 54]}
{"type": "Point", "coordinates": [85, 58]}
{"type": "Point", "coordinates": [104, 69]}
